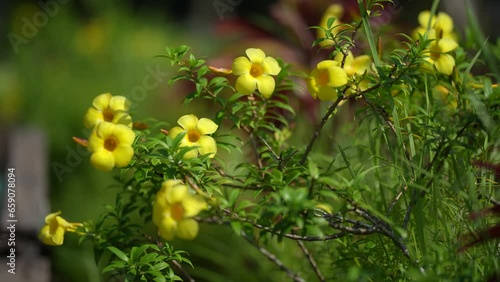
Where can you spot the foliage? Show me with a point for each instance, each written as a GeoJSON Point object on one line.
{"type": "Point", "coordinates": [388, 200]}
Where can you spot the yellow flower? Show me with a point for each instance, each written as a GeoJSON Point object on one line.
{"type": "Point", "coordinates": [441, 26]}
{"type": "Point", "coordinates": [52, 233]}
{"type": "Point", "coordinates": [327, 75]}
{"type": "Point", "coordinates": [354, 65]}
{"type": "Point", "coordinates": [255, 72]}
{"type": "Point", "coordinates": [196, 135]}
{"type": "Point", "coordinates": [333, 11]}
{"type": "Point", "coordinates": [174, 209]}
{"type": "Point", "coordinates": [111, 145]}
{"type": "Point", "coordinates": [443, 62]}
{"type": "Point", "coordinates": [106, 107]}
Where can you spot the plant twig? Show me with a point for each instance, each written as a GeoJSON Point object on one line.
{"type": "Point", "coordinates": [318, 129]}
{"type": "Point", "coordinates": [183, 271]}
{"type": "Point", "coordinates": [294, 276]}
{"type": "Point", "coordinates": [311, 260]}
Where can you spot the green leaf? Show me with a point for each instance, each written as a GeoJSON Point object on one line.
{"type": "Point", "coordinates": [313, 169]}
{"type": "Point", "coordinates": [236, 226]}
{"type": "Point", "coordinates": [114, 266]}
{"type": "Point", "coordinates": [137, 251]}
{"type": "Point", "coordinates": [118, 253]}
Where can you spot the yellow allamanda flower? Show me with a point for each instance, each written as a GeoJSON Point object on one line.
{"type": "Point", "coordinates": [355, 66]}
{"type": "Point", "coordinates": [52, 233]}
{"type": "Point", "coordinates": [438, 57]}
{"type": "Point", "coordinates": [324, 78]}
{"type": "Point", "coordinates": [174, 209]}
{"type": "Point", "coordinates": [196, 135]}
{"type": "Point", "coordinates": [333, 11]}
{"type": "Point", "coordinates": [107, 107]}
{"type": "Point", "coordinates": [255, 72]}
{"type": "Point", "coordinates": [111, 145]}
{"type": "Point", "coordinates": [441, 26]}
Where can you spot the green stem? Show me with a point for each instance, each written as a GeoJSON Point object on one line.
{"type": "Point", "coordinates": [369, 34]}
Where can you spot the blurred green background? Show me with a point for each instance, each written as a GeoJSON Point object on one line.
{"type": "Point", "coordinates": [52, 66]}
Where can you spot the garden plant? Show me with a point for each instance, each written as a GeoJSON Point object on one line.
{"type": "Point", "coordinates": [397, 180]}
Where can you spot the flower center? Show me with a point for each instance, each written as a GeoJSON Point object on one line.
{"type": "Point", "coordinates": [110, 144]}
{"type": "Point", "coordinates": [193, 135]}
{"type": "Point", "coordinates": [323, 77]}
{"type": "Point", "coordinates": [177, 212]}
{"type": "Point", "coordinates": [108, 115]}
{"type": "Point", "coordinates": [435, 53]}
{"type": "Point", "coordinates": [256, 70]}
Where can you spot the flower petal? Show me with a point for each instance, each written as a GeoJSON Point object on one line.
{"type": "Point", "coordinates": [92, 117]}
{"type": "Point", "coordinates": [446, 45]}
{"type": "Point", "coordinates": [188, 122]}
{"type": "Point", "coordinates": [193, 205]}
{"type": "Point", "coordinates": [105, 129]}
{"type": "Point", "coordinates": [311, 86]}
{"type": "Point", "coordinates": [255, 55]}
{"type": "Point", "coordinates": [119, 103]}
{"type": "Point", "coordinates": [187, 229]}
{"type": "Point", "coordinates": [124, 134]}
{"type": "Point", "coordinates": [266, 84]}
{"type": "Point", "coordinates": [50, 217]}
{"type": "Point", "coordinates": [445, 64]}
{"type": "Point", "coordinates": [207, 146]}
{"type": "Point", "coordinates": [327, 93]}
{"type": "Point", "coordinates": [58, 236]}
{"type": "Point", "coordinates": [160, 208]}
{"type": "Point", "coordinates": [62, 222]}
{"type": "Point", "coordinates": [206, 126]}
{"type": "Point", "coordinates": [337, 77]}
{"type": "Point", "coordinates": [175, 193]}
{"type": "Point", "coordinates": [175, 131]}
{"type": "Point", "coordinates": [102, 159]}
{"type": "Point", "coordinates": [95, 142]}
{"type": "Point", "coordinates": [123, 155]}
{"type": "Point", "coordinates": [423, 19]}
{"type": "Point", "coordinates": [241, 65]}
{"type": "Point", "coordinates": [361, 64]}
{"type": "Point", "coordinates": [122, 118]}
{"type": "Point", "coordinates": [326, 64]}
{"type": "Point", "coordinates": [339, 57]}
{"type": "Point", "coordinates": [444, 22]}
{"type": "Point", "coordinates": [101, 102]}
{"type": "Point", "coordinates": [246, 84]}
{"type": "Point", "coordinates": [167, 228]}
{"type": "Point", "coordinates": [191, 154]}
{"type": "Point", "coordinates": [271, 66]}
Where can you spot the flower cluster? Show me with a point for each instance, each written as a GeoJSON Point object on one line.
{"type": "Point", "coordinates": [174, 209]}
{"type": "Point", "coordinates": [440, 29]}
{"type": "Point", "coordinates": [112, 136]}
{"type": "Point", "coordinates": [52, 233]}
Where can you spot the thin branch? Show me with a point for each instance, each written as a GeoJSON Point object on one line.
{"type": "Point", "coordinates": [183, 271]}
{"type": "Point", "coordinates": [318, 129]}
{"type": "Point", "coordinates": [294, 276]}
{"type": "Point", "coordinates": [311, 260]}
{"type": "Point", "coordinates": [221, 221]}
